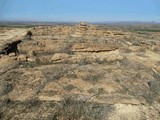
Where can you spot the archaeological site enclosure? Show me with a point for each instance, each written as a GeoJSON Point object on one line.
{"type": "Point", "coordinates": [80, 72]}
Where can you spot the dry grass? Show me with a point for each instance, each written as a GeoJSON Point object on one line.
{"type": "Point", "coordinates": [93, 77]}
{"type": "Point", "coordinates": [45, 110]}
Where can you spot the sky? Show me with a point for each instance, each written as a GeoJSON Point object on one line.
{"type": "Point", "coordinates": [80, 10]}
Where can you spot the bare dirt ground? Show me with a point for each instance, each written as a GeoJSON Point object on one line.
{"type": "Point", "coordinates": [80, 72]}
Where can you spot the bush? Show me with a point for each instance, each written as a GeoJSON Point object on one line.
{"type": "Point", "coordinates": [79, 110]}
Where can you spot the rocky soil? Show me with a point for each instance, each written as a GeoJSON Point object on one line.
{"type": "Point", "coordinates": [81, 72]}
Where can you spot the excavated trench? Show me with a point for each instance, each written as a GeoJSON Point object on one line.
{"type": "Point", "coordinates": [11, 48]}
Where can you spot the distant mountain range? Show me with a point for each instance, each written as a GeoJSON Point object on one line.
{"type": "Point", "coordinates": [32, 23]}
{"type": "Point", "coordinates": [52, 23]}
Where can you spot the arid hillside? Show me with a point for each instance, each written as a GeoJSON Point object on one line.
{"type": "Point", "coordinates": [80, 72]}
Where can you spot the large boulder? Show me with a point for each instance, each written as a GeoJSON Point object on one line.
{"type": "Point", "coordinates": [22, 58]}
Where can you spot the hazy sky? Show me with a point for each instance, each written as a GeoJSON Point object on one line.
{"type": "Point", "coordinates": [80, 10]}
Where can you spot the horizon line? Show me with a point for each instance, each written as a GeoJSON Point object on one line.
{"type": "Point", "coordinates": [69, 21]}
